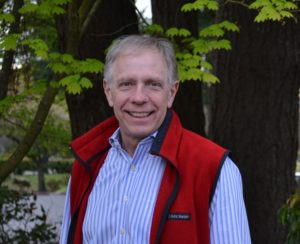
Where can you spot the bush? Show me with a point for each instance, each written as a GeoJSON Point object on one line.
{"type": "Point", "coordinates": [20, 220]}
{"type": "Point", "coordinates": [289, 215]}
{"type": "Point", "coordinates": [53, 185]}
{"type": "Point", "coordinates": [60, 167]}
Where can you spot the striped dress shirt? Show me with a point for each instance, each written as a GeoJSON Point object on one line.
{"type": "Point", "coordinates": [121, 205]}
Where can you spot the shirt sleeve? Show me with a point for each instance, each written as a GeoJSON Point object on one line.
{"type": "Point", "coordinates": [227, 214]}
{"type": "Point", "coordinates": [66, 218]}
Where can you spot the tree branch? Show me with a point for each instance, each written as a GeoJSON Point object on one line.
{"type": "Point", "coordinates": [139, 13]}
{"type": "Point", "coordinates": [86, 12]}
{"type": "Point", "coordinates": [36, 126]}
{"type": "Point", "coordinates": [19, 125]}
{"type": "Point", "coordinates": [237, 2]}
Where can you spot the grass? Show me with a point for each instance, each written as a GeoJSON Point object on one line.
{"type": "Point", "coordinates": [56, 183]}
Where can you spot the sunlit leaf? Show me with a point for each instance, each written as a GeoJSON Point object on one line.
{"type": "Point", "coordinates": [85, 83]}
{"type": "Point", "coordinates": [74, 88]}
{"type": "Point", "coordinates": [210, 78]}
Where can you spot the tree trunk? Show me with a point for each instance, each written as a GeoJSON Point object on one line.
{"type": "Point", "coordinates": [41, 169]}
{"type": "Point", "coordinates": [188, 103]}
{"type": "Point", "coordinates": [255, 114]}
{"type": "Point", "coordinates": [68, 39]}
{"type": "Point", "coordinates": [8, 57]}
{"type": "Point", "coordinates": [112, 19]}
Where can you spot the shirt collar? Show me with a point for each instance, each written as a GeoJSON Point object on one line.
{"type": "Point", "coordinates": [115, 139]}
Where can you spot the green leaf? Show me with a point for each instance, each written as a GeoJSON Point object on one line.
{"type": "Point", "coordinates": [212, 31]}
{"type": "Point", "coordinates": [68, 80]}
{"type": "Point", "coordinates": [200, 46]}
{"type": "Point", "coordinates": [259, 4]}
{"type": "Point", "coordinates": [91, 66]}
{"type": "Point", "coordinates": [171, 32]}
{"type": "Point", "coordinates": [9, 42]}
{"type": "Point", "coordinates": [184, 32]}
{"type": "Point", "coordinates": [200, 5]}
{"type": "Point", "coordinates": [187, 7]}
{"type": "Point", "coordinates": [74, 88]}
{"type": "Point", "coordinates": [273, 10]}
{"type": "Point", "coordinates": [154, 29]}
{"type": "Point", "coordinates": [67, 58]}
{"type": "Point", "coordinates": [57, 10]}
{"type": "Point", "coordinates": [260, 17]}
{"type": "Point", "coordinates": [290, 5]}
{"type": "Point", "coordinates": [220, 44]}
{"type": "Point", "coordinates": [210, 78]}
{"type": "Point", "coordinates": [28, 8]}
{"type": "Point", "coordinates": [54, 56]}
{"type": "Point", "coordinates": [85, 83]}
{"type": "Point", "coordinates": [190, 63]}
{"type": "Point", "coordinates": [194, 74]}
{"type": "Point", "coordinates": [8, 18]}
{"type": "Point", "coordinates": [206, 65]}
{"type": "Point", "coordinates": [57, 68]}
{"type": "Point", "coordinates": [39, 47]}
{"type": "Point", "coordinates": [286, 14]}
{"type": "Point", "coordinates": [229, 26]}
{"type": "Point", "coordinates": [213, 5]}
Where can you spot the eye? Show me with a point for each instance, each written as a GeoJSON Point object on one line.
{"type": "Point", "coordinates": [154, 84]}
{"type": "Point", "coordinates": [125, 84]}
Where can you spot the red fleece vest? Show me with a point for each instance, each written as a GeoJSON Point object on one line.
{"type": "Point", "coordinates": [181, 213]}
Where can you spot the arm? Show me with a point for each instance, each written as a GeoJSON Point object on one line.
{"type": "Point", "coordinates": [66, 218]}
{"type": "Point", "coordinates": [227, 214]}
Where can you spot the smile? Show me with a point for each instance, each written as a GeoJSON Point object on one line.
{"type": "Point", "coordinates": [139, 114]}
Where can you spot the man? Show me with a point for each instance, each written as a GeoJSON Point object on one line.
{"type": "Point", "coordinates": [140, 177]}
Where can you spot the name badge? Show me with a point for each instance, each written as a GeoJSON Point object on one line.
{"type": "Point", "coordinates": [179, 216]}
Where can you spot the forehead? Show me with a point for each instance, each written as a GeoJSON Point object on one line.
{"type": "Point", "coordinates": [143, 62]}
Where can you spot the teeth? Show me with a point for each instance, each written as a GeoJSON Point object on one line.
{"type": "Point", "coordinates": [139, 114]}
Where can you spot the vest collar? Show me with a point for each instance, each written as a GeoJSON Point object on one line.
{"type": "Point", "coordinates": [96, 140]}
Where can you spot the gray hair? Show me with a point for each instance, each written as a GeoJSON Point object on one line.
{"type": "Point", "coordinates": [135, 43]}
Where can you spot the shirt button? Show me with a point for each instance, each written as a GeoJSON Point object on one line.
{"type": "Point", "coordinates": [133, 168]}
{"type": "Point", "coordinates": [126, 198]}
{"type": "Point", "coordinates": [122, 231]}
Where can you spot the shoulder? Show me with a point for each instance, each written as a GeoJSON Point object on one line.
{"type": "Point", "coordinates": [193, 143]}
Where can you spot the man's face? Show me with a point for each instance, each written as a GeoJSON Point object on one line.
{"type": "Point", "coordinates": [139, 93]}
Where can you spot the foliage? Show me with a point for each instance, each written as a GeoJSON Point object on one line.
{"type": "Point", "coordinates": [268, 10]}
{"type": "Point", "coordinates": [192, 52]}
{"type": "Point", "coordinates": [72, 73]}
{"type": "Point", "coordinates": [62, 166]}
{"type": "Point", "coordinates": [74, 82]}
{"type": "Point", "coordinates": [200, 5]}
{"type": "Point", "coordinates": [45, 9]}
{"type": "Point", "coordinates": [55, 135]}
{"type": "Point", "coordinates": [21, 221]}
{"type": "Point", "coordinates": [29, 182]}
{"type": "Point", "coordinates": [273, 10]}
{"type": "Point", "coordinates": [289, 215]}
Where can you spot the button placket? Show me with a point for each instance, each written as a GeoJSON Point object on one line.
{"type": "Point", "coordinates": [133, 168]}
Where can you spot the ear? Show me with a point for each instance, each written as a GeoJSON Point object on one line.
{"type": "Point", "coordinates": [107, 91]}
{"type": "Point", "coordinates": [173, 90]}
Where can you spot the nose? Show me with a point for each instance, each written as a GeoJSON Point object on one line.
{"type": "Point", "coordinates": [139, 95]}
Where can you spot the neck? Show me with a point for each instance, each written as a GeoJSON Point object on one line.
{"type": "Point", "coordinates": [129, 145]}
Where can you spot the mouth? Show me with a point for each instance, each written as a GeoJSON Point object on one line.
{"type": "Point", "coordinates": [139, 114]}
